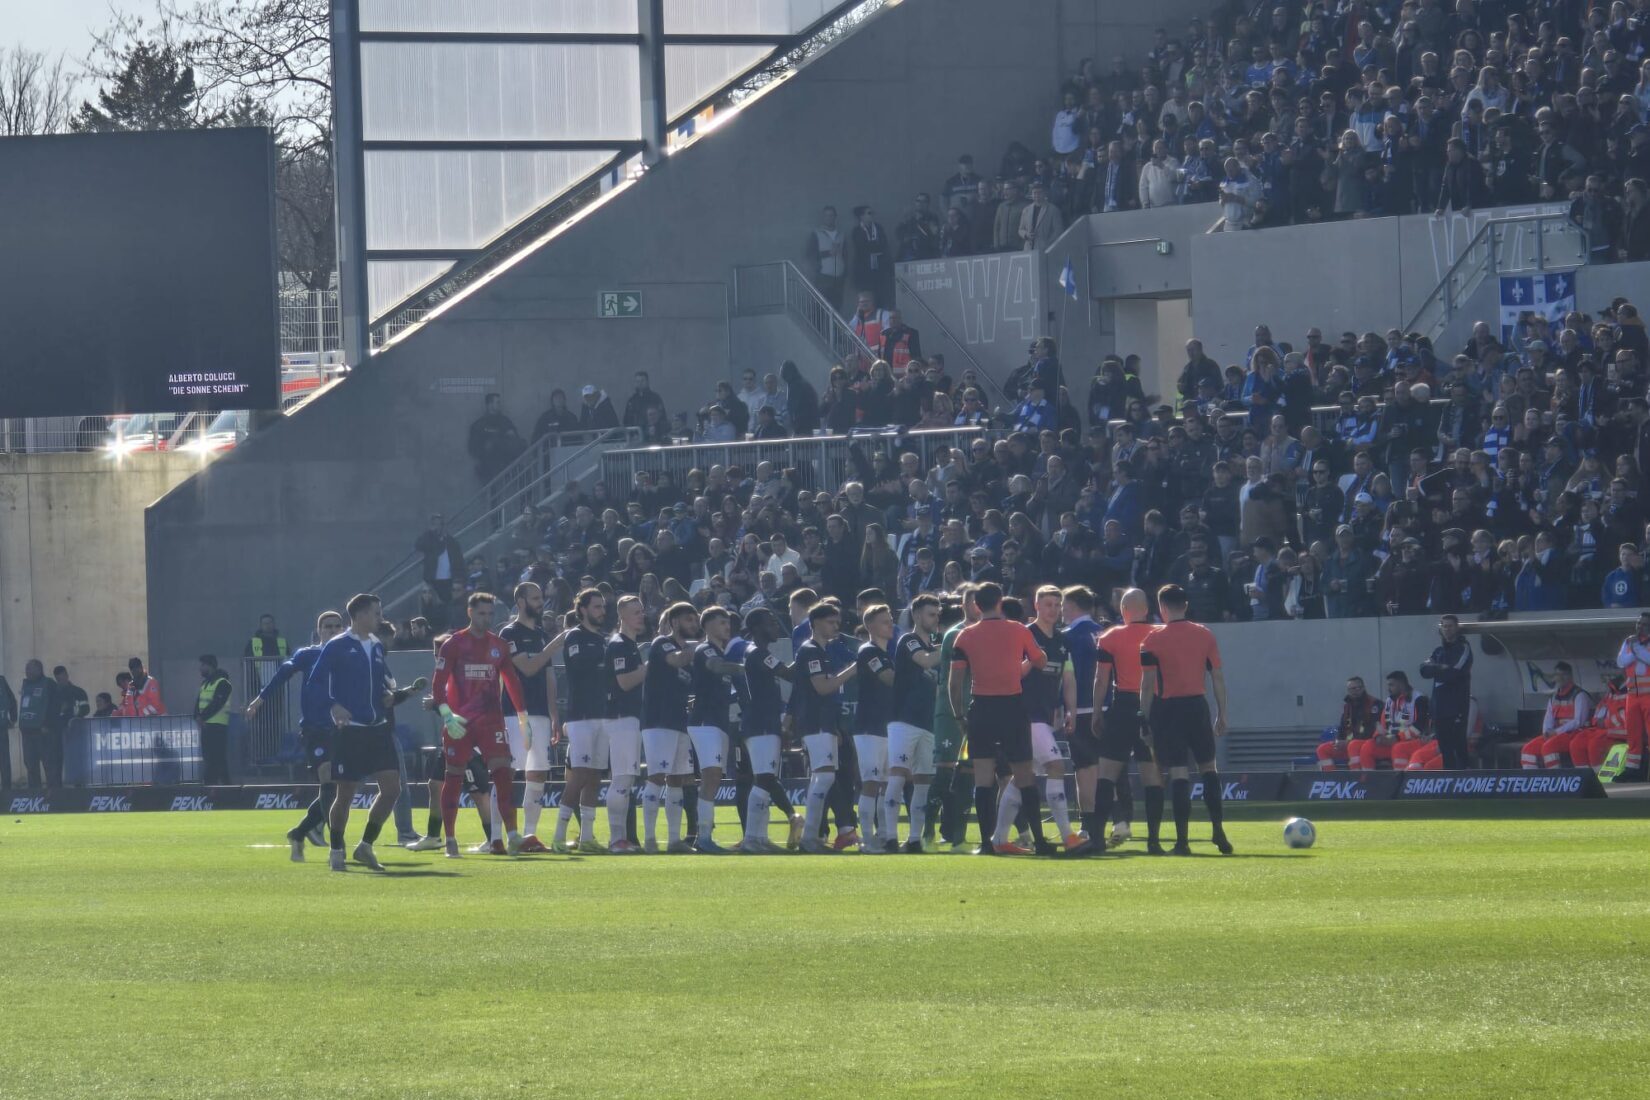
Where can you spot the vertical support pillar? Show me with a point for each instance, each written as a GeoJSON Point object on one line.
{"type": "Point", "coordinates": [349, 180]}
{"type": "Point", "coordinates": [650, 21]}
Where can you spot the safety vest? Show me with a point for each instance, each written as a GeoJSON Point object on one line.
{"type": "Point", "coordinates": [869, 329]}
{"type": "Point", "coordinates": [899, 355]}
{"type": "Point", "coordinates": [1398, 716]}
{"type": "Point", "coordinates": [258, 647]}
{"type": "Point", "coordinates": [1612, 713]}
{"type": "Point", "coordinates": [144, 702]}
{"type": "Point", "coordinates": [208, 689]}
{"type": "Point", "coordinates": [1561, 708]}
{"type": "Point", "coordinates": [1634, 662]}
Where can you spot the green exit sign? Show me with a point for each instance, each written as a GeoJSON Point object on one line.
{"type": "Point", "coordinates": [618, 303]}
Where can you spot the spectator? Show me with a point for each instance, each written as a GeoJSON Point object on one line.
{"type": "Point", "coordinates": [557, 418]}
{"type": "Point", "coordinates": [642, 397]}
{"type": "Point", "coordinates": [71, 704]}
{"type": "Point", "coordinates": [1348, 575]}
{"type": "Point", "coordinates": [8, 718]}
{"type": "Point", "coordinates": [962, 189]}
{"type": "Point", "coordinates": [494, 442]}
{"type": "Point", "coordinates": [443, 558]}
{"type": "Point", "coordinates": [1040, 222]}
{"type": "Point", "coordinates": [1238, 194]}
{"type": "Point", "coordinates": [596, 411]}
{"type": "Point", "coordinates": [1359, 721]}
{"type": "Point", "coordinates": [900, 344]}
{"type": "Point", "coordinates": [1599, 216]}
{"type": "Point", "coordinates": [872, 262]}
{"type": "Point", "coordinates": [825, 257]}
{"type": "Point", "coordinates": [918, 232]}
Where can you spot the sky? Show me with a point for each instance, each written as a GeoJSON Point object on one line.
{"type": "Point", "coordinates": [58, 26]}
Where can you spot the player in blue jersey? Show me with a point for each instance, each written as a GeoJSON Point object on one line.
{"type": "Point", "coordinates": [624, 724]}
{"type": "Point", "coordinates": [1051, 702]}
{"type": "Point", "coordinates": [665, 691]}
{"type": "Point", "coordinates": [589, 682]}
{"type": "Point", "coordinates": [708, 727]}
{"type": "Point", "coordinates": [816, 716]}
{"type": "Point", "coordinates": [315, 729]}
{"type": "Point", "coordinates": [1082, 644]}
{"type": "Point", "coordinates": [874, 711]}
{"type": "Point", "coordinates": [761, 722]}
{"type": "Point", "coordinates": [910, 741]}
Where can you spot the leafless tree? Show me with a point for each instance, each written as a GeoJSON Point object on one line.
{"type": "Point", "coordinates": [36, 95]}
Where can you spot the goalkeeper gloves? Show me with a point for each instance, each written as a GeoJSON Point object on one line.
{"type": "Point", "coordinates": [454, 724]}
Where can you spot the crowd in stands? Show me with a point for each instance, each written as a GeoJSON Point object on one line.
{"type": "Point", "coordinates": [1486, 479]}
{"type": "Point", "coordinates": [1289, 112]}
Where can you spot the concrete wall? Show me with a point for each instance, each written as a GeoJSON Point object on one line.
{"type": "Point", "coordinates": [72, 584]}
{"type": "Point", "coordinates": [328, 500]}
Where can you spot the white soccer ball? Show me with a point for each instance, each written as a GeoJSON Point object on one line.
{"type": "Point", "coordinates": [1299, 833]}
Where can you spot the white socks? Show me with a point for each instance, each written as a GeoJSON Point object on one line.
{"type": "Point", "coordinates": [919, 809]}
{"type": "Point", "coordinates": [587, 823]}
{"type": "Point", "coordinates": [564, 818]}
{"type": "Point", "coordinates": [892, 799]}
{"type": "Point", "coordinates": [1008, 808]}
{"type": "Point", "coordinates": [618, 807]}
{"type": "Point", "coordinates": [818, 785]}
{"type": "Point", "coordinates": [534, 806]}
{"type": "Point", "coordinates": [868, 819]}
{"type": "Point", "coordinates": [756, 814]}
{"type": "Point", "coordinates": [1054, 793]}
{"type": "Point", "coordinates": [707, 817]}
{"type": "Point", "coordinates": [652, 795]}
{"type": "Point", "coordinates": [673, 813]}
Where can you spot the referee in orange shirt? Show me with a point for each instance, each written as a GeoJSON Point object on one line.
{"type": "Point", "coordinates": [1173, 661]}
{"type": "Point", "coordinates": [996, 653]}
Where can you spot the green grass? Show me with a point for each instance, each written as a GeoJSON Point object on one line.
{"type": "Point", "coordinates": [1465, 952]}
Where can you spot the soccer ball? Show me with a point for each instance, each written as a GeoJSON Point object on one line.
{"type": "Point", "coordinates": [1299, 833]}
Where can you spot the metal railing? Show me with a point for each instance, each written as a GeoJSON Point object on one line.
{"type": "Point", "coordinates": [109, 752]}
{"type": "Point", "coordinates": [780, 287]}
{"type": "Point", "coordinates": [534, 477]}
{"type": "Point", "coordinates": [821, 461]}
{"type": "Point", "coordinates": [1515, 245]}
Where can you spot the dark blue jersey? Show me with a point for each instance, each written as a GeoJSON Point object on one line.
{"type": "Point", "coordinates": [914, 686]}
{"type": "Point", "coordinates": [589, 678]}
{"type": "Point", "coordinates": [876, 699]}
{"type": "Point", "coordinates": [712, 690]}
{"type": "Point", "coordinates": [314, 709]}
{"type": "Point", "coordinates": [1042, 686]}
{"type": "Point", "coordinates": [526, 640]}
{"type": "Point", "coordinates": [1082, 643]}
{"type": "Point", "coordinates": [665, 691]}
{"type": "Point", "coordinates": [623, 655]}
{"type": "Point", "coordinates": [815, 713]}
{"type": "Point", "coordinates": [766, 703]}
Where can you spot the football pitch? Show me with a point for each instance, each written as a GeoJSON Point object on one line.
{"type": "Point", "coordinates": [1452, 950]}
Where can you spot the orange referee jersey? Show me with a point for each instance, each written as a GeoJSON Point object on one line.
{"type": "Point", "coordinates": [1119, 647]}
{"type": "Point", "coordinates": [992, 649]}
{"type": "Point", "coordinates": [1181, 652]}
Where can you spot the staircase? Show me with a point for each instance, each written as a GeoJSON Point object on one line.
{"type": "Point", "coordinates": [1524, 244]}
{"type": "Point", "coordinates": [539, 476]}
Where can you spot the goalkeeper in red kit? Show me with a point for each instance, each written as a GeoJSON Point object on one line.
{"type": "Point", "coordinates": [468, 671]}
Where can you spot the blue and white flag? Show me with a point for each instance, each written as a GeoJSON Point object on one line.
{"type": "Point", "coordinates": [1550, 296]}
{"type": "Point", "coordinates": [1068, 280]}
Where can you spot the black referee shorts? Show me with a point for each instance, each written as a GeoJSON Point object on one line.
{"type": "Point", "coordinates": [1181, 733]}
{"type": "Point", "coordinates": [1122, 736]}
{"type": "Point", "coordinates": [361, 752]}
{"type": "Point", "coordinates": [1085, 747]}
{"type": "Point", "coordinates": [999, 729]}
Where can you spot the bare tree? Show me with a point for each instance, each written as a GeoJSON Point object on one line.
{"type": "Point", "coordinates": [276, 53]}
{"type": "Point", "coordinates": [36, 95]}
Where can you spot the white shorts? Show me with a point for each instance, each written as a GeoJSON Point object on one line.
{"type": "Point", "coordinates": [910, 748]}
{"type": "Point", "coordinates": [763, 753]}
{"type": "Point", "coordinates": [666, 753]}
{"type": "Point", "coordinates": [873, 757]}
{"type": "Point", "coordinates": [534, 757]}
{"type": "Point", "coordinates": [1044, 749]}
{"type": "Point", "coordinates": [587, 744]}
{"type": "Point", "coordinates": [821, 749]}
{"type": "Point", "coordinates": [710, 745]}
{"type": "Point", "coordinates": [624, 746]}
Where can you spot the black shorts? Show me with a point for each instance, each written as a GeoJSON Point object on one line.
{"type": "Point", "coordinates": [361, 752]}
{"type": "Point", "coordinates": [476, 778]}
{"type": "Point", "coordinates": [1085, 747]}
{"type": "Point", "coordinates": [1122, 736]}
{"type": "Point", "coordinates": [998, 728]}
{"type": "Point", "coordinates": [1181, 733]}
{"type": "Point", "coordinates": [317, 742]}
